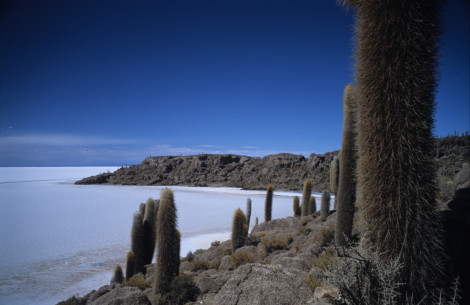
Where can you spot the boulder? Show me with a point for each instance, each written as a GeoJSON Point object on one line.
{"type": "Point", "coordinates": [121, 296]}
{"type": "Point", "coordinates": [255, 284]}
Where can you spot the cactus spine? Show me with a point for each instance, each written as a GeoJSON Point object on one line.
{"type": "Point", "coordinates": [306, 196]}
{"type": "Point", "coordinates": [138, 243]}
{"type": "Point", "coordinates": [238, 230]}
{"type": "Point", "coordinates": [296, 207]}
{"type": "Point", "coordinates": [334, 177]}
{"type": "Point", "coordinates": [167, 243]}
{"type": "Point", "coordinates": [130, 264]}
{"type": "Point", "coordinates": [149, 230]}
{"type": "Point", "coordinates": [347, 178]}
{"type": "Point", "coordinates": [248, 212]}
{"type": "Point", "coordinates": [325, 204]}
{"type": "Point", "coordinates": [268, 206]}
{"type": "Point", "coordinates": [312, 205]}
{"type": "Point", "coordinates": [396, 76]}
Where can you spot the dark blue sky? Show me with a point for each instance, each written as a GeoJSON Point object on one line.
{"type": "Point", "coordinates": [112, 82]}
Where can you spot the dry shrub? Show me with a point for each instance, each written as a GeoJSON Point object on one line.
{"type": "Point", "coordinates": [325, 236]}
{"type": "Point", "coordinates": [136, 281]}
{"type": "Point", "coordinates": [312, 282]}
{"type": "Point", "coordinates": [276, 243]}
{"type": "Point", "coordinates": [240, 258]}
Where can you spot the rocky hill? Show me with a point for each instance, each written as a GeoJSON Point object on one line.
{"type": "Point", "coordinates": [284, 171]}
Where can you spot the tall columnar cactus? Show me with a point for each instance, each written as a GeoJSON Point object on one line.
{"type": "Point", "coordinates": [325, 203]}
{"type": "Point", "coordinates": [296, 206]}
{"type": "Point", "coordinates": [347, 176]}
{"type": "Point", "coordinates": [268, 206]}
{"type": "Point", "coordinates": [248, 212]}
{"type": "Point", "coordinates": [167, 243]}
{"type": "Point", "coordinates": [238, 230]}
{"type": "Point", "coordinates": [334, 177]}
{"type": "Point", "coordinates": [149, 230]}
{"type": "Point", "coordinates": [256, 221]}
{"type": "Point", "coordinates": [130, 258]}
{"type": "Point", "coordinates": [397, 57]}
{"type": "Point", "coordinates": [138, 243]}
{"type": "Point", "coordinates": [306, 196]}
{"type": "Point", "coordinates": [312, 205]}
{"type": "Point", "coordinates": [178, 250]}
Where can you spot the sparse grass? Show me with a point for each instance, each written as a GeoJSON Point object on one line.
{"type": "Point", "coordinates": [304, 230]}
{"type": "Point", "coordinates": [312, 282]}
{"type": "Point", "coordinates": [215, 243]}
{"type": "Point", "coordinates": [325, 236]}
{"type": "Point", "coordinates": [73, 301]}
{"type": "Point", "coordinates": [326, 259]}
{"type": "Point", "coordinates": [241, 258]}
{"type": "Point", "coordinates": [297, 247]}
{"type": "Point", "coordinates": [276, 243]}
{"type": "Point", "coordinates": [136, 281]}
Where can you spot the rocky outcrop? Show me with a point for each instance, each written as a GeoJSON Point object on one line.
{"type": "Point", "coordinates": [284, 171]}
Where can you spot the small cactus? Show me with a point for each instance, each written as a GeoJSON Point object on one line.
{"type": "Point", "coordinates": [138, 243]}
{"type": "Point", "coordinates": [297, 212]}
{"type": "Point", "coordinates": [268, 206]}
{"type": "Point", "coordinates": [312, 205]}
{"type": "Point", "coordinates": [238, 230]}
{"type": "Point", "coordinates": [325, 204]}
{"type": "Point", "coordinates": [256, 221]}
{"type": "Point", "coordinates": [130, 264]}
{"type": "Point", "coordinates": [248, 212]}
{"type": "Point", "coordinates": [118, 276]}
{"type": "Point", "coordinates": [306, 196]}
{"type": "Point", "coordinates": [167, 243]}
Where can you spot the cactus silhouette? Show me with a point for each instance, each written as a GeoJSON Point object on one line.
{"type": "Point", "coordinates": [397, 57]}
{"type": "Point", "coordinates": [138, 243]}
{"type": "Point", "coordinates": [312, 205]}
{"type": "Point", "coordinates": [334, 177]}
{"type": "Point", "coordinates": [296, 207]}
{"type": "Point", "coordinates": [248, 212]}
{"type": "Point", "coordinates": [130, 264]}
{"type": "Point", "coordinates": [347, 178]}
{"type": "Point", "coordinates": [306, 196]}
{"type": "Point", "coordinates": [325, 203]}
{"type": "Point", "coordinates": [167, 243]}
{"type": "Point", "coordinates": [142, 209]}
{"type": "Point", "coordinates": [149, 230]}
{"type": "Point", "coordinates": [256, 221]}
{"type": "Point", "coordinates": [238, 230]}
{"type": "Point", "coordinates": [268, 206]}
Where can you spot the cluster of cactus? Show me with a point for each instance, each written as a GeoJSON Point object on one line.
{"type": "Point", "coordinates": [306, 196]}
{"type": "Point", "coordinates": [397, 56]}
{"type": "Point", "coordinates": [143, 236]}
{"type": "Point", "coordinates": [268, 206]}
{"type": "Point", "coordinates": [168, 243]}
{"type": "Point", "coordinates": [296, 207]}
{"type": "Point", "coordinates": [346, 196]}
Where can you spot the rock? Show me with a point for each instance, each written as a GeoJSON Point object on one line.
{"type": "Point", "coordinates": [256, 284]}
{"type": "Point", "coordinates": [121, 296]}
{"type": "Point", "coordinates": [462, 178]}
{"type": "Point", "coordinates": [226, 263]}
{"type": "Point", "coordinates": [327, 294]}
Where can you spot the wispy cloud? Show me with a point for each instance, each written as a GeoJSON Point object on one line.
{"type": "Point", "coordinates": [60, 140]}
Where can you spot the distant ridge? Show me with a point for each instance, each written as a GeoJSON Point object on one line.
{"type": "Point", "coordinates": [284, 171]}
